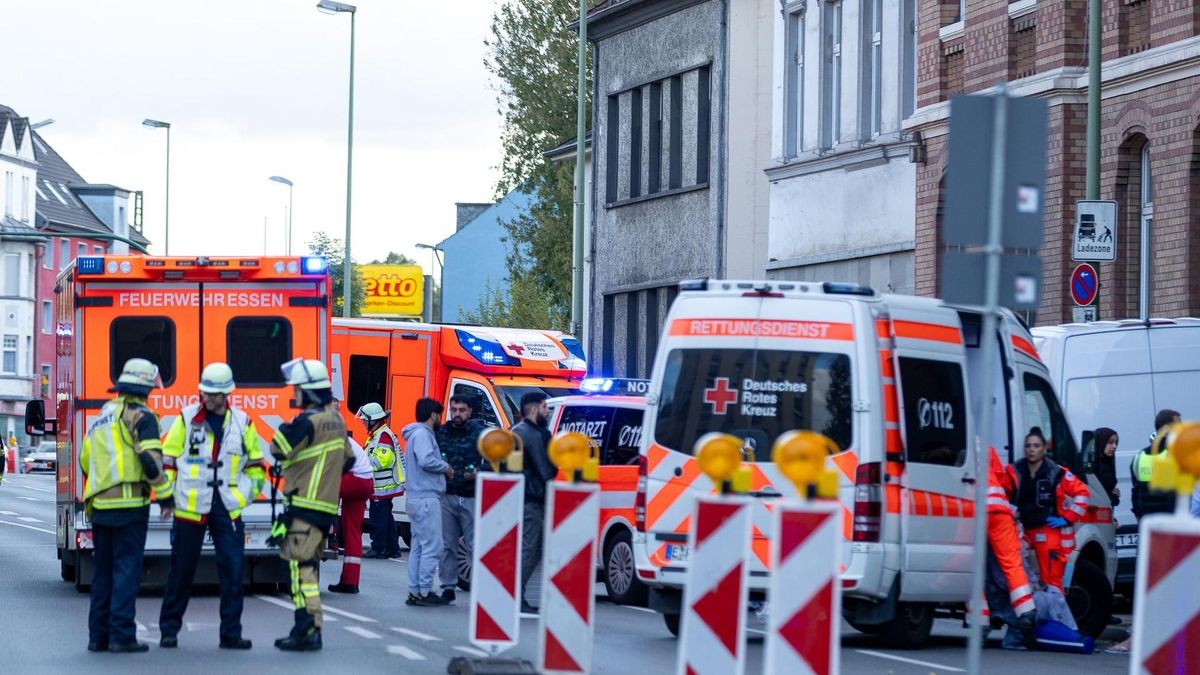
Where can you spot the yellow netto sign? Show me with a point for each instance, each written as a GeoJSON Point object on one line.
{"type": "Point", "coordinates": [393, 290]}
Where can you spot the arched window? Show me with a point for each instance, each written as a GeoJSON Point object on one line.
{"type": "Point", "coordinates": [1146, 222]}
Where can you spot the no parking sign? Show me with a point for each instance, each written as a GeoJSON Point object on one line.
{"type": "Point", "coordinates": [1085, 285]}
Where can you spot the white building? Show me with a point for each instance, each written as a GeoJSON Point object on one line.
{"type": "Point", "coordinates": [20, 246]}
{"type": "Point", "coordinates": [842, 188]}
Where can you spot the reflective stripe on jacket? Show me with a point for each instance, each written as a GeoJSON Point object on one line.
{"type": "Point", "coordinates": [237, 470]}
{"type": "Point", "coordinates": [115, 460]}
{"type": "Point", "coordinates": [312, 469]}
{"type": "Point", "coordinates": [387, 471]}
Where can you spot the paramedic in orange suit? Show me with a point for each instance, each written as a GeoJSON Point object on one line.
{"type": "Point", "coordinates": [1005, 547]}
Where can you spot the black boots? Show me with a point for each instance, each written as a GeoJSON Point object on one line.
{"type": "Point", "coordinates": [343, 588]}
{"type": "Point", "coordinates": [305, 636]}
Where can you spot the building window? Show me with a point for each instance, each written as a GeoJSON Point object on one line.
{"type": "Point", "coordinates": [12, 274]}
{"type": "Point", "coordinates": [793, 84]}
{"type": "Point", "coordinates": [635, 143]}
{"type": "Point", "coordinates": [871, 97]}
{"type": "Point", "coordinates": [25, 215]}
{"type": "Point", "coordinates": [48, 257]}
{"type": "Point", "coordinates": [1022, 47]}
{"type": "Point", "coordinates": [908, 60]}
{"type": "Point", "coordinates": [9, 365]}
{"type": "Point", "coordinates": [631, 334]}
{"type": "Point", "coordinates": [45, 383]}
{"type": "Point", "coordinates": [831, 86]}
{"type": "Point", "coordinates": [8, 193]}
{"type": "Point", "coordinates": [64, 254]}
{"type": "Point", "coordinates": [1146, 222]}
{"type": "Point", "coordinates": [122, 225]}
{"type": "Point", "coordinates": [98, 250]}
{"type": "Point", "coordinates": [82, 250]}
{"type": "Point", "coordinates": [654, 177]}
{"type": "Point", "coordinates": [47, 316]}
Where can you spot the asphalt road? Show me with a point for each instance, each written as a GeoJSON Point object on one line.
{"type": "Point", "coordinates": [43, 624]}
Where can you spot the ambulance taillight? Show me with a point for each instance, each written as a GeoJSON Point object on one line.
{"type": "Point", "coordinates": [868, 502]}
{"type": "Point", "coordinates": [639, 502]}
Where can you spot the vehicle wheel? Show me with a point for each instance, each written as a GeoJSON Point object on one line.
{"type": "Point", "coordinates": [867, 628]}
{"type": "Point", "coordinates": [405, 531]}
{"type": "Point", "coordinates": [464, 565]}
{"type": "Point", "coordinates": [910, 627]}
{"type": "Point", "coordinates": [1090, 598]}
{"type": "Point", "coordinates": [672, 621]}
{"type": "Point", "coordinates": [67, 570]}
{"type": "Point", "coordinates": [620, 575]}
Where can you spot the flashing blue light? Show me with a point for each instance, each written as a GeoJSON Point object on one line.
{"type": "Point", "coordinates": [622, 386]}
{"type": "Point", "coordinates": [314, 265]}
{"type": "Point", "coordinates": [596, 385]}
{"type": "Point", "coordinates": [89, 265]}
{"type": "Point", "coordinates": [486, 351]}
{"type": "Point", "coordinates": [574, 347]}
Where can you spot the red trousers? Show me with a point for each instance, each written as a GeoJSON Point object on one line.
{"type": "Point", "coordinates": [355, 492]}
{"type": "Point", "coordinates": [1006, 546]}
{"type": "Point", "coordinates": [1052, 546]}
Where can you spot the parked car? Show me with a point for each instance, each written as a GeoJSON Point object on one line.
{"type": "Point", "coordinates": [43, 458]}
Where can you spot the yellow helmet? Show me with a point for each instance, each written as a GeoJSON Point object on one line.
{"type": "Point", "coordinates": [217, 378]}
{"type": "Point", "coordinates": [307, 373]}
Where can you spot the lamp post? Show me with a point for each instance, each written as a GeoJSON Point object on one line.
{"type": "Point", "coordinates": [155, 124]}
{"type": "Point", "coordinates": [331, 7]}
{"type": "Point", "coordinates": [288, 183]}
{"type": "Point", "coordinates": [43, 123]}
{"type": "Point", "coordinates": [441, 277]}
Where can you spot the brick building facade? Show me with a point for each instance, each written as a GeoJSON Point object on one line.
{"type": "Point", "coordinates": [1150, 134]}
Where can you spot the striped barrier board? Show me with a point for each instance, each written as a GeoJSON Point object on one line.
{"type": "Point", "coordinates": [495, 574]}
{"type": "Point", "coordinates": [568, 583]}
{"type": "Point", "coordinates": [1166, 612]}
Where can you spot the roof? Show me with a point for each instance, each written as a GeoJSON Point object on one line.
{"type": "Point", "coordinates": [1109, 326]}
{"type": "Point", "coordinates": [567, 148]}
{"type": "Point", "coordinates": [10, 228]}
{"type": "Point", "coordinates": [513, 204]}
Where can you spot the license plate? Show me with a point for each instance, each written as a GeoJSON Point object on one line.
{"type": "Point", "coordinates": [678, 553]}
{"type": "Point", "coordinates": [1127, 540]}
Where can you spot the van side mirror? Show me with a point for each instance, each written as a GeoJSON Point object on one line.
{"type": "Point", "coordinates": [1089, 451]}
{"type": "Point", "coordinates": [35, 419]}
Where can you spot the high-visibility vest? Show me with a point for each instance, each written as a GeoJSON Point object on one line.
{"type": "Point", "coordinates": [112, 458]}
{"type": "Point", "coordinates": [233, 473]}
{"type": "Point", "coordinates": [387, 471]}
{"type": "Point", "coordinates": [312, 469]}
{"type": "Point", "coordinates": [1143, 465]}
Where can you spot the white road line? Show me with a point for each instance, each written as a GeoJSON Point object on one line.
{"type": "Point", "coordinates": [28, 527]}
{"type": "Point", "coordinates": [400, 650]}
{"type": "Point", "coordinates": [397, 560]}
{"type": "Point", "coordinates": [27, 487]}
{"type": "Point", "coordinates": [348, 615]}
{"type": "Point", "coordinates": [756, 631]}
{"type": "Point", "coordinates": [363, 632]}
{"type": "Point", "coordinates": [914, 662]}
{"type": "Point", "coordinates": [27, 519]}
{"type": "Point", "coordinates": [640, 609]}
{"type": "Point", "coordinates": [472, 651]}
{"type": "Point", "coordinates": [9, 513]}
{"type": "Point", "coordinates": [30, 499]}
{"type": "Point", "coordinates": [286, 605]}
{"type": "Point", "coordinates": [415, 634]}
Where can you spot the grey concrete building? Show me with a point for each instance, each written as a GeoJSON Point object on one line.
{"type": "Point", "coordinates": [662, 153]}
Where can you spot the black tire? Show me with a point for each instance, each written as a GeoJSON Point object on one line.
{"type": "Point", "coordinates": [405, 531]}
{"type": "Point", "coordinates": [1091, 598]}
{"type": "Point", "coordinates": [66, 570]}
{"type": "Point", "coordinates": [867, 628]}
{"type": "Point", "coordinates": [911, 626]}
{"type": "Point", "coordinates": [672, 621]}
{"type": "Point", "coordinates": [464, 565]}
{"type": "Point", "coordinates": [620, 576]}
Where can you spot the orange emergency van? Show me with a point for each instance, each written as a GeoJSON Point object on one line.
{"type": "Point", "coordinates": [180, 313]}
{"type": "Point", "coordinates": [888, 378]}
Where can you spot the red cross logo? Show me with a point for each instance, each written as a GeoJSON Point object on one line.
{"type": "Point", "coordinates": [720, 396]}
{"type": "Point", "coordinates": [518, 349]}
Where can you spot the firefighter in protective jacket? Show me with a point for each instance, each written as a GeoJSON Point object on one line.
{"type": "Point", "coordinates": [1050, 500]}
{"type": "Point", "coordinates": [121, 461]}
{"type": "Point", "coordinates": [314, 453]}
{"type": "Point", "coordinates": [213, 456]}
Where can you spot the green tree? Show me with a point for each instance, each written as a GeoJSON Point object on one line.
{"type": "Point", "coordinates": [533, 56]}
{"type": "Point", "coordinates": [522, 305]}
{"type": "Point", "coordinates": [332, 249]}
{"type": "Point", "coordinates": [394, 258]}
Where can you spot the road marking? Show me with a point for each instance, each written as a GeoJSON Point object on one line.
{"type": "Point", "coordinates": [27, 519]}
{"type": "Point", "coordinates": [27, 487]}
{"type": "Point", "coordinates": [398, 560]}
{"type": "Point", "coordinates": [363, 632]}
{"type": "Point", "coordinates": [286, 605]}
{"type": "Point", "coordinates": [472, 651]}
{"type": "Point", "coordinates": [28, 527]}
{"type": "Point", "coordinates": [914, 662]}
{"type": "Point", "coordinates": [756, 631]}
{"type": "Point", "coordinates": [415, 634]}
{"type": "Point", "coordinates": [348, 615]}
{"type": "Point", "coordinates": [640, 609]}
{"type": "Point", "coordinates": [29, 499]}
{"type": "Point", "coordinates": [407, 653]}
{"type": "Point", "coordinates": [9, 513]}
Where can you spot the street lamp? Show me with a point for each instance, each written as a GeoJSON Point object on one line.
{"type": "Point", "coordinates": [43, 123]}
{"type": "Point", "coordinates": [288, 183]}
{"type": "Point", "coordinates": [441, 277]}
{"type": "Point", "coordinates": [331, 7]}
{"type": "Point", "coordinates": [155, 124]}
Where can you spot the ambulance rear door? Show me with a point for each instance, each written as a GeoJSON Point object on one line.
{"type": "Point", "coordinates": [938, 481]}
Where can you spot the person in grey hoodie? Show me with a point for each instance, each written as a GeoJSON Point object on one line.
{"type": "Point", "coordinates": [425, 473]}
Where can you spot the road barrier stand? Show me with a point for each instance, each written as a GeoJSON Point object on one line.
{"type": "Point", "coordinates": [567, 622]}
{"type": "Point", "coordinates": [806, 546]}
{"type": "Point", "coordinates": [495, 623]}
{"type": "Point", "coordinates": [713, 623]}
{"type": "Point", "coordinates": [1166, 611]}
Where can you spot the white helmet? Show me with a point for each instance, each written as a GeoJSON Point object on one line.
{"type": "Point", "coordinates": [308, 373]}
{"type": "Point", "coordinates": [217, 378]}
{"type": "Point", "coordinates": [140, 373]}
{"type": "Point", "coordinates": [371, 412]}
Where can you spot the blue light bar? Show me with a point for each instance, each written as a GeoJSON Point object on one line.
{"type": "Point", "coordinates": [622, 386]}
{"type": "Point", "coordinates": [596, 385]}
{"type": "Point", "coordinates": [89, 265]}
{"type": "Point", "coordinates": [574, 347]}
{"type": "Point", "coordinates": [314, 265]}
{"type": "Point", "coordinates": [487, 352]}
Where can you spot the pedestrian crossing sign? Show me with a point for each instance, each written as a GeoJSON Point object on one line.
{"type": "Point", "coordinates": [1095, 231]}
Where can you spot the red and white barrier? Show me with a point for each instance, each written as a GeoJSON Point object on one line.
{"type": "Point", "coordinates": [713, 624]}
{"type": "Point", "coordinates": [569, 576]}
{"type": "Point", "coordinates": [496, 568]}
{"type": "Point", "coordinates": [805, 593]}
{"type": "Point", "coordinates": [1166, 612]}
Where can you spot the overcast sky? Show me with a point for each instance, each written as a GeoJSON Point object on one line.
{"type": "Point", "coordinates": [256, 88]}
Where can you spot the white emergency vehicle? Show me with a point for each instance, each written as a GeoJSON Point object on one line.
{"type": "Point", "coordinates": [887, 377]}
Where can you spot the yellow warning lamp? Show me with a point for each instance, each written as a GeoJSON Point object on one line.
{"type": "Point", "coordinates": [501, 446]}
{"type": "Point", "coordinates": [1179, 467]}
{"type": "Point", "coordinates": [574, 453]}
{"type": "Point", "coordinates": [800, 456]}
{"type": "Point", "coordinates": [719, 456]}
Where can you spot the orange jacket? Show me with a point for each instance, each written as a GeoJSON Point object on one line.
{"type": "Point", "coordinates": [1002, 488]}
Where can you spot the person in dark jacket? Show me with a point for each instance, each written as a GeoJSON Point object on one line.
{"type": "Point", "coordinates": [535, 437]}
{"type": "Point", "coordinates": [1145, 500]}
{"type": "Point", "coordinates": [456, 439]}
{"type": "Point", "coordinates": [1105, 466]}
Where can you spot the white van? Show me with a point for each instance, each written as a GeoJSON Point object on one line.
{"type": "Point", "coordinates": [887, 378]}
{"type": "Point", "coordinates": [1119, 374]}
